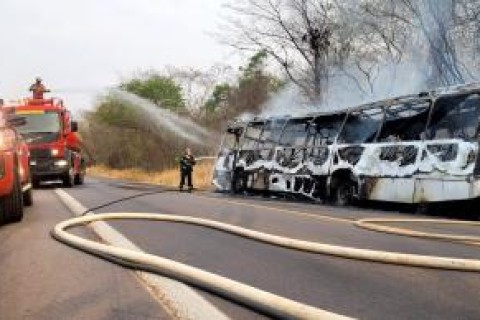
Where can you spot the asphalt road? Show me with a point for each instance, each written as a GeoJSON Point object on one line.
{"type": "Point", "coordinates": [42, 279]}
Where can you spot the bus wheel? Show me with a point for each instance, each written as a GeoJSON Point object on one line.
{"type": "Point", "coordinates": [343, 194]}
{"type": "Point", "coordinates": [422, 208]}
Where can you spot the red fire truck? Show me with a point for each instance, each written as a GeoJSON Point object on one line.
{"type": "Point", "coordinates": [55, 149]}
{"type": "Point", "coordinates": [15, 178]}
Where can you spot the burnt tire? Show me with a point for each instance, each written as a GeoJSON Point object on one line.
{"type": "Point", "coordinates": [344, 194]}
{"type": "Point", "coordinates": [423, 208]}
{"type": "Point", "coordinates": [238, 182]}
{"type": "Point", "coordinates": [12, 204]}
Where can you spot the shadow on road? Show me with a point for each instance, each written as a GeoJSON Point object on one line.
{"type": "Point", "coordinates": [51, 185]}
{"type": "Point", "coordinates": [464, 210]}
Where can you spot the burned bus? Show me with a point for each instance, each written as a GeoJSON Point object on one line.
{"type": "Point", "coordinates": [412, 149]}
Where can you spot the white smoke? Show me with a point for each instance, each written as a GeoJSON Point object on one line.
{"type": "Point", "coordinates": [391, 80]}
{"type": "Point", "coordinates": [289, 101]}
{"type": "Point", "coordinates": [346, 91]}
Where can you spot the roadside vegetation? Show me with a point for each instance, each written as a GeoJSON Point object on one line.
{"type": "Point", "coordinates": [202, 175]}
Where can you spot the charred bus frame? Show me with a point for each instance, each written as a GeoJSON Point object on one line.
{"type": "Point", "coordinates": [411, 149]}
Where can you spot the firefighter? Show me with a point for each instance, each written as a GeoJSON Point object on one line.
{"type": "Point", "coordinates": [186, 168]}
{"type": "Point", "coordinates": [38, 89]}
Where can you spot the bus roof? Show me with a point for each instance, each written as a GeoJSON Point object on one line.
{"type": "Point", "coordinates": [385, 103]}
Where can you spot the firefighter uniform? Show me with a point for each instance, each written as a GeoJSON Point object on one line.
{"type": "Point", "coordinates": [186, 168]}
{"type": "Point", "coordinates": [38, 89]}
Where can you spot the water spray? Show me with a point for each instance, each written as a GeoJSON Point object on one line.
{"type": "Point", "coordinates": [162, 119]}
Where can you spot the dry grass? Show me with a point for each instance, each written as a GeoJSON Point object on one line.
{"type": "Point", "coordinates": [202, 175]}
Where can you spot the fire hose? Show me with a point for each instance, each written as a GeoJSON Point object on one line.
{"type": "Point", "coordinates": [258, 299]}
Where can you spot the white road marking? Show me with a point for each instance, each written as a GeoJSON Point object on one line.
{"type": "Point", "coordinates": [181, 301]}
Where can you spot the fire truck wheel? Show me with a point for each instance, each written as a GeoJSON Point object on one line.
{"type": "Point", "coordinates": [28, 194]}
{"type": "Point", "coordinates": [12, 205]}
{"type": "Point", "coordinates": [3, 216]}
{"type": "Point", "coordinates": [28, 198]}
{"type": "Point", "coordinates": [68, 179]}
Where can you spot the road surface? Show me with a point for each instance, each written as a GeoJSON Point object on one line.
{"type": "Point", "coordinates": [43, 279]}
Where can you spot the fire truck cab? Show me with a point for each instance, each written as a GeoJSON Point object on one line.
{"type": "Point", "coordinates": [55, 151]}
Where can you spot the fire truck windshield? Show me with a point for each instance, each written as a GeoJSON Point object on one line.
{"type": "Point", "coordinates": [48, 122]}
{"type": "Point", "coordinates": [41, 127]}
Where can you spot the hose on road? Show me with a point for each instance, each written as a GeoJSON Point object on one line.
{"type": "Point", "coordinates": [155, 191]}
{"type": "Point", "coordinates": [135, 196]}
{"type": "Point", "coordinates": [269, 303]}
{"type": "Point", "coordinates": [264, 301]}
{"type": "Point", "coordinates": [378, 225]}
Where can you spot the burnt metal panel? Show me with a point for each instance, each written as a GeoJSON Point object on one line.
{"type": "Point", "coordinates": [249, 156]}
{"type": "Point", "coordinates": [290, 157]}
{"type": "Point", "coordinates": [319, 156]}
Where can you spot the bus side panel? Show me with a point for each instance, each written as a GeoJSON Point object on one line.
{"type": "Point", "coordinates": [391, 189]}
{"type": "Point", "coordinates": [434, 190]}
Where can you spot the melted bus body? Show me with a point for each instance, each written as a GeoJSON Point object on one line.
{"type": "Point", "coordinates": [411, 149]}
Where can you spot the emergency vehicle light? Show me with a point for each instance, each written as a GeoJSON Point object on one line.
{"type": "Point", "coordinates": [30, 112]}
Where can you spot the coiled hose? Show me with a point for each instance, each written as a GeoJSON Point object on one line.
{"type": "Point", "coordinates": [266, 302]}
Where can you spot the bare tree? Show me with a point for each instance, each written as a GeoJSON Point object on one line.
{"type": "Point", "coordinates": [443, 31]}
{"type": "Point", "coordinates": [301, 35]}
{"type": "Point", "coordinates": [198, 85]}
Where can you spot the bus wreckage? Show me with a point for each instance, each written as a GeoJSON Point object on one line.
{"type": "Point", "coordinates": [412, 149]}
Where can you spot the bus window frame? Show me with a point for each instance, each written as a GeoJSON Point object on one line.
{"type": "Point", "coordinates": [255, 140]}
{"type": "Point", "coordinates": [302, 119]}
{"type": "Point", "coordinates": [433, 107]}
{"type": "Point", "coordinates": [414, 103]}
{"type": "Point", "coordinates": [362, 111]}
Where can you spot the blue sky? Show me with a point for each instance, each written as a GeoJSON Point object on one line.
{"type": "Point", "coordinates": [80, 48]}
